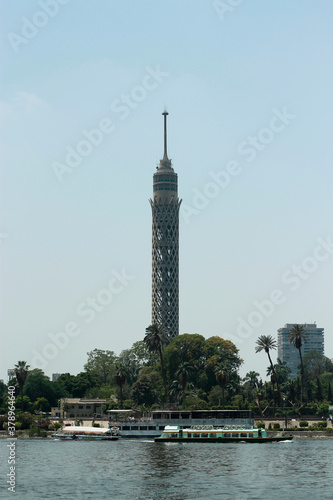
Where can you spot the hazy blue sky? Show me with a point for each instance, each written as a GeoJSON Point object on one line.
{"type": "Point", "coordinates": [248, 85]}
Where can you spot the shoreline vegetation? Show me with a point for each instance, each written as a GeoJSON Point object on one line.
{"type": "Point", "coordinates": [184, 373]}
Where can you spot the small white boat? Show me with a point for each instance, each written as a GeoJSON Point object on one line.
{"type": "Point", "coordinates": [78, 433]}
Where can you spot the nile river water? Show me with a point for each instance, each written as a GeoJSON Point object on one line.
{"type": "Point", "coordinates": [142, 469]}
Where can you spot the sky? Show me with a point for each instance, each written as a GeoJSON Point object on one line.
{"type": "Point", "coordinates": [248, 87]}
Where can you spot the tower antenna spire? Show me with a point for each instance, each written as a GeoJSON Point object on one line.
{"type": "Point", "coordinates": [165, 114]}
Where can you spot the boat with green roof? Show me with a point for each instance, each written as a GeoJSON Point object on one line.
{"type": "Point", "coordinates": [225, 434]}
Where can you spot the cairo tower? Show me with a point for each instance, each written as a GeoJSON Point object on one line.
{"type": "Point", "coordinates": [165, 244]}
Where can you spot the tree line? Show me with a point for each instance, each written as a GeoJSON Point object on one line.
{"type": "Point", "coordinates": [188, 372]}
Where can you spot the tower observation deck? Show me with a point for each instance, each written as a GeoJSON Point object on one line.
{"type": "Point", "coordinates": [165, 244]}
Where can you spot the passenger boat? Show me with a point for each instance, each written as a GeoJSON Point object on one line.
{"type": "Point", "coordinates": [78, 433]}
{"type": "Point", "coordinates": [153, 425]}
{"type": "Point", "coordinates": [210, 434]}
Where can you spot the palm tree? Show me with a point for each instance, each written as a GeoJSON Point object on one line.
{"type": "Point", "coordinates": [252, 378]}
{"type": "Point", "coordinates": [184, 371]}
{"type": "Point", "coordinates": [252, 382]}
{"type": "Point", "coordinates": [272, 374]}
{"type": "Point", "coordinates": [120, 378]}
{"type": "Point", "coordinates": [156, 338]}
{"type": "Point", "coordinates": [297, 336]}
{"type": "Point", "coordinates": [222, 374]}
{"type": "Point", "coordinates": [21, 374]}
{"type": "Point", "coordinates": [282, 371]}
{"type": "Point", "coordinates": [266, 343]}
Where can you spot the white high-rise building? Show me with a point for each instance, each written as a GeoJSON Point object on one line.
{"type": "Point", "coordinates": [287, 352]}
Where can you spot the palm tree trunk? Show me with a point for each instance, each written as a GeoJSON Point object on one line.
{"type": "Point", "coordinates": [302, 374]}
{"type": "Point", "coordinates": [163, 375]}
{"type": "Point", "coordinates": [121, 396]}
{"type": "Point", "coordinates": [276, 380]}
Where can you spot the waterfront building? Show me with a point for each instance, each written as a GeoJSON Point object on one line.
{"type": "Point", "coordinates": [55, 376]}
{"type": "Point", "coordinates": [288, 353]}
{"type": "Point", "coordinates": [165, 206]}
{"type": "Point", "coordinates": [79, 408]}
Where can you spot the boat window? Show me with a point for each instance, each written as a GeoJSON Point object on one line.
{"type": "Point", "coordinates": [134, 428]}
{"type": "Point", "coordinates": [161, 428]}
{"type": "Point", "coordinates": [196, 435]}
{"type": "Point", "coordinates": [143, 427]}
{"type": "Point", "coordinates": [234, 435]}
{"type": "Point", "coordinates": [152, 428]}
{"type": "Point", "coordinates": [243, 435]}
{"type": "Point", "coordinates": [125, 427]}
{"type": "Point", "coordinates": [212, 435]}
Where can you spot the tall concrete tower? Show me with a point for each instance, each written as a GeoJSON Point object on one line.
{"type": "Point", "coordinates": [165, 244]}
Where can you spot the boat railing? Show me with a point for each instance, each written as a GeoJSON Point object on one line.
{"type": "Point", "coordinates": [224, 427]}
{"type": "Point", "coordinates": [202, 427]}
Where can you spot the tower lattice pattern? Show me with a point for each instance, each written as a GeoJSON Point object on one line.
{"type": "Point", "coordinates": [165, 245]}
{"type": "Point", "coordinates": [165, 265]}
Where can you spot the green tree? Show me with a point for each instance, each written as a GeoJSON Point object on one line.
{"type": "Point", "coordinates": [136, 358]}
{"type": "Point", "coordinates": [297, 336]}
{"type": "Point", "coordinates": [184, 371]}
{"type": "Point", "coordinates": [156, 338]}
{"type": "Point", "coordinates": [251, 382]}
{"type": "Point", "coordinates": [148, 388]}
{"type": "Point", "coordinates": [39, 385]}
{"type": "Point", "coordinates": [252, 378]}
{"type": "Point", "coordinates": [319, 391]}
{"type": "Point", "coordinates": [272, 374]}
{"type": "Point", "coordinates": [282, 371]}
{"type": "Point", "coordinates": [66, 407]}
{"type": "Point", "coordinates": [222, 374]}
{"type": "Point", "coordinates": [219, 351]}
{"type": "Point", "coordinates": [120, 378]}
{"type": "Point", "coordinates": [42, 404]}
{"type": "Point", "coordinates": [329, 393]}
{"type": "Point", "coordinates": [21, 370]}
{"type": "Point", "coordinates": [102, 364]}
{"type": "Point", "coordinates": [3, 398]}
{"type": "Point", "coordinates": [267, 343]}
{"type": "Point", "coordinates": [24, 403]}
{"type": "Point", "coordinates": [315, 364]}
{"type": "Point", "coordinates": [63, 386]}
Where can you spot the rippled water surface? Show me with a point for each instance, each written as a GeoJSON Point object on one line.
{"type": "Point", "coordinates": [140, 469]}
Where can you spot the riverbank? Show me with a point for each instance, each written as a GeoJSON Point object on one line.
{"type": "Point", "coordinates": [296, 435]}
